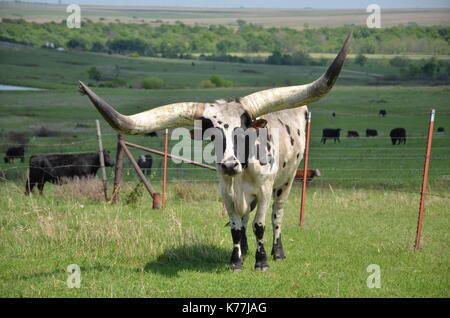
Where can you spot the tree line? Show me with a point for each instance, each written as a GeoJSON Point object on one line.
{"type": "Point", "coordinates": [179, 40]}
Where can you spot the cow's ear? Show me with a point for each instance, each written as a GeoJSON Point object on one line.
{"type": "Point", "coordinates": [259, 123]}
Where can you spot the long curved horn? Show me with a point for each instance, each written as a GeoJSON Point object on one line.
{"type": "Point", "coordinates": [168, 116]}
{"type": "Point", "coordinates": [275, 99]}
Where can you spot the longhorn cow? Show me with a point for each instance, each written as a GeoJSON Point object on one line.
{"type": "Point", "coordinates": [245, 183]}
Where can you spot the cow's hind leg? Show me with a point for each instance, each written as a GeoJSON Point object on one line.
{"type": "Point", "coordinates": [29, 187]}
{"type": "Point", "coordinates": [280, 198]}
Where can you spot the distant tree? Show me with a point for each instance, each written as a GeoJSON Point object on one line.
{"type": "Point", "coordinates": [276, 58]}
{"type": "Point", "coordinates": [76, 44]}
{"type": "Point", "coordinates": [98, 46]}
{"type": "Point", "coordinates": [430, 67]}
{"type": "Point", "coordinates": [361, 59]}
{"type": "Point", "coordinates": [399, 61]}
{"type": "Point", "coordinates": [301, 58]}
{"type": "Point", "coordinates": [94, 73]}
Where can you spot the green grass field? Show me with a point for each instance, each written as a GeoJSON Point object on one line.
{"type": "Point", "coordinates": [361, 211]}
{"type": "Point", "coordinates": [35, 67]}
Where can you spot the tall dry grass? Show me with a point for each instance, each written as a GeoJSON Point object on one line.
{"type": "Point", "coordinates": [191, 191]}
{"type": "Point", "coordinates": [85, 188]}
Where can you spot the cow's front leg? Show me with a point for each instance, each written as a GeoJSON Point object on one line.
{"type": "Point", "coordinates": [258, 229]}
{"type": "Point", "coordinates": [237, 234]}
{"type": "Point", "coordinates": [244, 243]}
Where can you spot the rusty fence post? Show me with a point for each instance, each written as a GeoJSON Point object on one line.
{"type": "Point", "coordinates": [305, 169]}
{"type": "Point", "coordinates": [424, 181]}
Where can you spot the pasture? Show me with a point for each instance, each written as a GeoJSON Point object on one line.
{"type": "Point", "coordinates": [361, 211]}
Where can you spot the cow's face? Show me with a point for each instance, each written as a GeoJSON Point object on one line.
{"type": "Point", "coordinates": [108, 161]}
{"type": "Point", "coordinates": [230, 127]}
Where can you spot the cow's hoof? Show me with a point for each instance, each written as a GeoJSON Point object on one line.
{"type": "Point", "coordinates": [279, 257]}
{"type": "Point", "coordinates": [261, 267]}
{"type": "Point", "coordinates": [236, 267]}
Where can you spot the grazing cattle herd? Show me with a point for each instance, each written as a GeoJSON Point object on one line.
{"type": "Point", "coordinates": [145, 163]}
{"type": "Point", "coordinates": [310, 174]}
{"type": "Point", "coordinates": [371, 133]}
{"type": "Point", "coordinates": [352, 133]}
{"type": "Point", "coordinates": [15, 153]}
{"type": "Point", "coordinates": [53, 168]}
{"type": "Point", "coordinates": [398, 136]}
{"type": "Point", "coordinates": [329, 133]}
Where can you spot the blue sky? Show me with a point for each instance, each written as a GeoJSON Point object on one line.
{"type": "Point", "coordinates": [266, 4]}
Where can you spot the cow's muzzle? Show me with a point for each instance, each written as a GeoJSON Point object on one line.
{"type": "Point", "coordinates": [230, 167]}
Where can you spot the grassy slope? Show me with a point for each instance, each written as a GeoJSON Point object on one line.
{"type": "Point", "coordinates": [27, 66]}
{"type": "Point", "coordinates": [130, 250]}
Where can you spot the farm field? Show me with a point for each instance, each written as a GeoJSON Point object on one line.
{"type": "Point", "coordinates": [361, 211]}
{"type": "Point", "coordinates": [36, 67]}
{"type": "Point", "coordinates": [293, 18]}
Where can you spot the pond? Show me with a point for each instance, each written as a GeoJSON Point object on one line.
{"type": "Point", "coordinates": [18, 88]}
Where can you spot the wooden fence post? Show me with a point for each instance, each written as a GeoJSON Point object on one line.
{"type": "Point", "coordinates": [118, 169]}
{"type": "Point", "coordinates": [148, 186]}
{"type": "Point", "coordinates": [102, 159]}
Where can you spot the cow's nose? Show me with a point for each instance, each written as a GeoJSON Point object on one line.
{"type": "Point", "coordinates": [230, 167]}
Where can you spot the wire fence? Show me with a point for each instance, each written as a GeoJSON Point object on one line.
{"type": "Point", "coordinates": [353, 161]}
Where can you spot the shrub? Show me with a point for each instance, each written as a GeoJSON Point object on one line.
{"type": "Point", "coordinates": [399, 61]}
{"type": "Point", "coordinates": [360, 59]}
{"type": "Point", "coordinates": [76, 44]}
{"type": "Point", "coordinates": [117, 82]}
{"type": "Point", "coordinates": [151, 82]}
{"type": "Point", "coordinates": [207, 84]}
{"type": "Point", "coordinates": [45, 132]}
{"type": "Point", "coordinates": [301, 58]}
{"type": "Point", "coordinates": [220, 81]}
{"type": "Point", "coordinates": [94, 73]}
{"type": "Point", "coordinates": [98, 46]}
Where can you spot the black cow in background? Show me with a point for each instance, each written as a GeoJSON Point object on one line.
{"type": "Point", "coordinates": [15, 153]}
{"type": "Point", "coordinates": [371, 133]}
{"type": "Point", "coordinates": [352, 133]}
{"type": "Point", "coordinates": [440, 130]}
{"type": "Point", "coordinates": [52, 168]}
{"type": "Point", "coordinates": [398, 135]}
{"type": "Point", "coordinates": [329, 133]}
{"type": "Point", "coordinates": [145, 163]}
{"type": "Point", "coordinates": [382, 112]}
